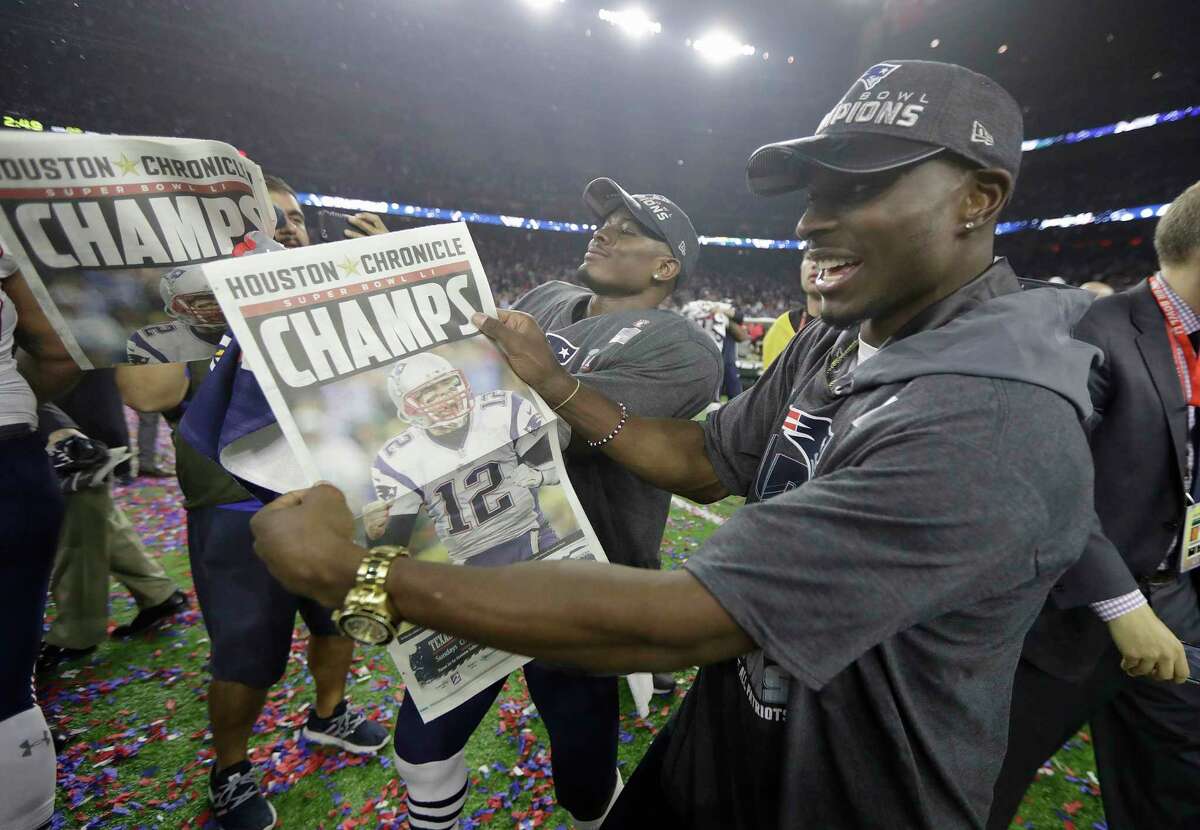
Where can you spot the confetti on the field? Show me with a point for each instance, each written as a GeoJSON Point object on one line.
{"type": "Point", "coordinates": [138, 752]}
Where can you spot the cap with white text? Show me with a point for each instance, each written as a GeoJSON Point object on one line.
{"type": "Point", "coordinates": [896, 114]}
{"type": "Point", "coordinates": [658, 215]}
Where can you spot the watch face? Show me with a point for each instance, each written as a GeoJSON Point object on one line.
{"type": "Point", "coordinates": [364, 629]}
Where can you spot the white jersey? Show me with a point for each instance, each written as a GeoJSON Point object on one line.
{"type": "Point", "coordinates": [171, 342]}
{"type": "Point", "coordinates": [473, 507]}
{"type": "Point", "coordinates": [711, 316]}
{"type": "Point", "coordinates": [17, 404]}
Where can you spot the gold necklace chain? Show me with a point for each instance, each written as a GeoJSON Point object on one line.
{"type": "Point", "coordinates": [835, 361]}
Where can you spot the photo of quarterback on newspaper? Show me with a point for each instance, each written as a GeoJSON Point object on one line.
{"type": "Point", "coordinates": [382, 386]}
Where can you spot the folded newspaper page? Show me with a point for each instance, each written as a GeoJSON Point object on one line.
{"type": "Point", "coordinates": [107, 229]}
{"type": "Point", "coordinates": [381, 385]}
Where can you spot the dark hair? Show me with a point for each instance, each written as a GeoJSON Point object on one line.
{"type": "Point", "coordinates": [1177, 237]}
{"type": "Point", "coordinates": [279, 185]}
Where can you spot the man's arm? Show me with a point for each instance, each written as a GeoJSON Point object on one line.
{"type": "Point", "coordinates": [46, 364]}
{"type": "Point", "coordinates": [666, 452]}
{"type": "Point", "coordinates": [1101, 578]}
{"type": "Point", "coordinates": [152, 388]}
{"type": "Point", "coordinates": [599, 617]}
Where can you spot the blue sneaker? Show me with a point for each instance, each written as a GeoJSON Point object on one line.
{"type": "Point", "coordinates": [237, 802]}
{"type": "Point", "coordinates": [347, 729]}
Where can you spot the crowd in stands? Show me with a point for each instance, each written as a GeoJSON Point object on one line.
{"type": "Point", "coordinates": [767, 283]}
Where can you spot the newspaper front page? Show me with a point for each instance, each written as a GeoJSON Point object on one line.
{"type": "Point", "coordinates": [104, 229]}
{"type": "Point", "coordinates": [381, 384]}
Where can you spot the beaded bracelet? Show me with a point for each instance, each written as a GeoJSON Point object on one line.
{"type": "Point", "coordinates": [578, 383]}
{"type": "Point", "coordinates": [615, 430]}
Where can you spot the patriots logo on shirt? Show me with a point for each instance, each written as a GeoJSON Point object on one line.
{"type": "Point", "coordinates": [564, 350]}
{"type": "Point", "coordinates": [792, 453]}
{"type": "Point", "coordinates": [809, 434]}
{"type": "Point", "coordinates": [877, 73]}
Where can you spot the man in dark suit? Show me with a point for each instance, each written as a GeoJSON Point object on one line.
{"type": "Point", "coordinates": [1146, 732]}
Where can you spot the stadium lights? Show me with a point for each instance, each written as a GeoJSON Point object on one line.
{"type": "Point", "coordinates": [634, 22]}
{"type": "Point", "coordinates": [721, 47]}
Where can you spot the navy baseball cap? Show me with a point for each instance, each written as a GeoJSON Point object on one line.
{"type": "Point", "coordinates": [658, 215]}
{"type": "Point", "coordinates": [899, 113]}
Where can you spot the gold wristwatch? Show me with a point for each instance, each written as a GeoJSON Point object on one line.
{"type": "Point", "coordinates": [364, 616]}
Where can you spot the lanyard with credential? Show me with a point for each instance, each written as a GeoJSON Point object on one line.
{"type": "Point", "coordinates": [1183, 353]}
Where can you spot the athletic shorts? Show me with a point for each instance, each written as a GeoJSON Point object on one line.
{"type": "Point", "coordinates": [248, 613]}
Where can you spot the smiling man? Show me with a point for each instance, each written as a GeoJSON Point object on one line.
{"type": "Point", "coordinates": [916, 478]}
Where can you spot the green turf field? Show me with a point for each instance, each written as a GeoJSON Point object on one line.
{"type": "Point", "coordinates": [140, 754]}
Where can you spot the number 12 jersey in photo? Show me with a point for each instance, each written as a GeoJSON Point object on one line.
{"type": "Point", "coordinates": [467, 489]}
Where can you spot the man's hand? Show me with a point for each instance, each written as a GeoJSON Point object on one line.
{"type": "Point", "coordinates": [375, 518]}
{"type": "Point", "coordinates": [1148, 648]}
{"type": "Point", "coordinates": [526, 476]}
{"type": "Point", "coordinates": [368, 224]}
{"type": "Point", "coordinates": [305, 539]}
{"type": "Point", "coordinates": [152, 387]}
{"type": "Point", "coordinates": [53, 439]}
{"type": "Point", "coordinates": [518, 336]}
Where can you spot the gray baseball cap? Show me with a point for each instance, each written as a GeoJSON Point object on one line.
{"type": "Point", "coordinates": [899, 113]}
{"type": "Point", "coordinates": [658, 215]}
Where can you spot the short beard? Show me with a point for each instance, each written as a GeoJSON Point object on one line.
{"type": "Point", "coordinates": [589, 282]}
{"type": "Point", "coordinates": [584, 277]}
{"type": "Point", "coordinates": [839, 323]}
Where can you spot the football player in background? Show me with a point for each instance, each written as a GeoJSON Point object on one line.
{"type": "Point", "coordinates": [485, 512]}
{"type": "Point", "coordinates": [721, 321]}
{"type": "Point", "coordinates": [198, 324]}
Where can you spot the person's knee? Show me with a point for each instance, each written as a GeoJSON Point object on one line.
{"type": "Point", "coordinates": [422, 746]}
{"type": "Point", "coordinates": [250, 656]}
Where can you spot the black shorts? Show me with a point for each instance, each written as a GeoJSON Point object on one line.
{"type": "Point", "coordinates": [249, 615]}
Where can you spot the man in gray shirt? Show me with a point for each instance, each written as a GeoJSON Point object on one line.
{"type": "Point", "coordinates": [613, 337]}
{"type": "Point", "coordinates": [916, 475]}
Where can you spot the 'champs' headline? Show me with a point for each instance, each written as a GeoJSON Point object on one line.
{"type": "Point", "coordinates": [356, 314]}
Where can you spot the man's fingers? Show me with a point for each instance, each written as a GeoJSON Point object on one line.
{"type": "Point", "coordinates": [292, 499]}
{"type": "Point", "coordinates": [1140, 667]}
{"type": "Point", "coordinates": [325, 492]}
{"type": "Point", "coordinates": [492, 328]}
{"type": "Point", "coordinates": [368, 223]}
{"type": "Point", "coordinates": [1182, 669]}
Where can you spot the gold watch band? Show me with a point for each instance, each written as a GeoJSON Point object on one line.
{"type": "Point", "coordinates": [371, 578]}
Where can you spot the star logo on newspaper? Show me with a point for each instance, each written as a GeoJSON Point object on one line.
{"type": "Point", "coordinates": [128, 166]}
{"type": "Point", "coordinates": [350, 266]}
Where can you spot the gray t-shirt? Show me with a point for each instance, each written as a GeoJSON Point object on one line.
{"type": "Point", "coordinates": [655, 362]}
{"type": "Point", "coordinates": [17, 403]}
{"type": "Point", "coordinates": [898, 543]}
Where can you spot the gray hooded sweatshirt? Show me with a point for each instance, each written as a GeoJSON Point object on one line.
{"type": "Point", "coordinates": [906, 521]}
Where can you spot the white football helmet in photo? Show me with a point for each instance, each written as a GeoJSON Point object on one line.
{"type": "Point", "coordinates": [188, 298]}
{"type": "Point", "coordinates": [430, 393]}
